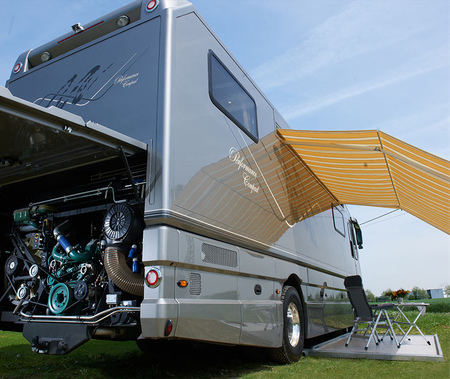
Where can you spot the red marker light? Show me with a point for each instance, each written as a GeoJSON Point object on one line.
{"type": "Point", "coordinates": [153, 277]}
{"type": "Point", "coordinates": [151, 5]}
{"type": "Point", "coordinates": [168, 328]}
{"type": "Point", "coordinates": [17, 68]}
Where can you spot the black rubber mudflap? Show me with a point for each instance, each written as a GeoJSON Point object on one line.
{"type": "Point", "coordinates": [54, 338]}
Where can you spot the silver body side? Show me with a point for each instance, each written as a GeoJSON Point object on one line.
{"type": "Point", "coordinates": [202, 199]}
{"type": "Point", "coordinates": [235, 244]}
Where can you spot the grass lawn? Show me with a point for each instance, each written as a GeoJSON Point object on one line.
{"type": "Point", "coordinates": [101, 359]}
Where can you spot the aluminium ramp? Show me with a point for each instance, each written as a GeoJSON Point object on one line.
{"type": "Point", "coordinates": [414, 348]}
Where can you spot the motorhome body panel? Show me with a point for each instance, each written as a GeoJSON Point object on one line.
{"type": "Point", "coordinates": [112, 81]}
{"type": "Point", "coordinates": [230, 296]}
{"type": "Point", "coordinates": [231, 211]}
{"type": "Point", "coordinates": [215, 171]}
{"type": "Point", "coordinates": [223, 184]}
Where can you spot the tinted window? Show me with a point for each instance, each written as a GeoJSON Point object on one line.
{"type": "Point", "coordinates": [231, 97]}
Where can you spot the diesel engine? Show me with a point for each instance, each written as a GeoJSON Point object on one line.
{"type": "Point", "coordinates": [80, 268]}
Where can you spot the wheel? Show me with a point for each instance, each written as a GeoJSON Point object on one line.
{"type": "Point", "coordinates": [293, 328]}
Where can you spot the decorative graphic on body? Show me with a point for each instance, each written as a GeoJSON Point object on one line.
{"type": "Point", "coordinates": [248, 174]}
{"type": "Point", "coordinates": [77, 91]}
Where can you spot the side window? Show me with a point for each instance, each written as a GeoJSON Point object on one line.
{"type": "Point", "coordinates": [338, 220]}
{"type": "Point", "coordinates": [231, 98]}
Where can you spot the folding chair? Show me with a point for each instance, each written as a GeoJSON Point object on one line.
{"type": "Point", "coordinates": [375, 316]}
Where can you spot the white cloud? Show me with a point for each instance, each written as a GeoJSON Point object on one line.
{"type": "Point", "coordinates": [421, 128]}
{"type": "Point", "coordinates": [360, 28]}
{"type": "Point", "coordinates": [433, 117]}
{"type": "Point", "coordinates": [428, 62]}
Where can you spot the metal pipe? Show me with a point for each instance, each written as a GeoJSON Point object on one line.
{"type": "Point", "coordinates": [81, 195]}
{"type": "Point", "coordinates": [80, 319]}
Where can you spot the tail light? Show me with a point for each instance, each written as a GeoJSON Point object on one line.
{"type": "Point", "coordinates": [153, 277]}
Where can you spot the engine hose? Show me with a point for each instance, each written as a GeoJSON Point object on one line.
{"type": "Point", "coordinates": [121, 275]}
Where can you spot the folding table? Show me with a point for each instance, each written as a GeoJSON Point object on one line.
{"type": "Point", "coordinates": [402, 319]}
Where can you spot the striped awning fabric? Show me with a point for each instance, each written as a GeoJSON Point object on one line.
{"type": "Point", "coordinates": [373, 168]}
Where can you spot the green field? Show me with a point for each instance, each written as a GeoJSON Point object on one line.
{"type": "Point", "coordinates": [101, 359]}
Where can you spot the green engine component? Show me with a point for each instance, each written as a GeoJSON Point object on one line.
{"type": "Point", "coordinates": [22, 215]}
{"type": "Point", "coordinates": [67, 269]}
{"type": "Point", "coordinates": [77, 254]}
{"type": "Point", "coordinates": [25, 216]}
{"type": "Point", "coordinates": [60, 298]}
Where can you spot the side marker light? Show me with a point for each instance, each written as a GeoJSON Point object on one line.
{"type": "Point", "coordinates": [168, 328]}
{"type": "Point", "coordinates": [182, 283]}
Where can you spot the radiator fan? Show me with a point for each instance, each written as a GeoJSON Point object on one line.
{"type": "Point", "coordinates": [119, 221]}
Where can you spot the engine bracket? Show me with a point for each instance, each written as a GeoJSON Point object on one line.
{"type": "Point", "coordinates": [65, 337]}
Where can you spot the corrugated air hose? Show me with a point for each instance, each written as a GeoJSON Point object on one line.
{"type": "Point", "coordinates": [121, 275]}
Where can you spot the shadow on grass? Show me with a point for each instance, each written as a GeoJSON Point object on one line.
{"type": "Point", "coordinates": [102, 359]}
{"type": "Point", "coordinates": [187, 361]}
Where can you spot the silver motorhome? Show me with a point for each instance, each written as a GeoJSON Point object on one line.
{"type": "Point", "coordinates": [145, 194]}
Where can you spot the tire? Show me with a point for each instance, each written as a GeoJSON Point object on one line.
{"type": "Point", "coordinates": [293, 328]}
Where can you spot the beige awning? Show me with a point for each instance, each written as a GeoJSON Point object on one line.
{"type": "Point", "coordinates": [373, 168]}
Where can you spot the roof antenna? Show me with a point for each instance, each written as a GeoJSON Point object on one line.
{"type": "Point", "coordinates": [77, 28]}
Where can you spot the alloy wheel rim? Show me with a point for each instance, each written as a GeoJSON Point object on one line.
{"type": "Point", "coordinates": [293, 324]}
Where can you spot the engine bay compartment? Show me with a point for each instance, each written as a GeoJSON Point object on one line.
{"type": "Point", "coordinates": [70, 253]}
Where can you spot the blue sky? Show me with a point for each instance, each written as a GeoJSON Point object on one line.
{"type": "Point", "coordinates": [325, 65]}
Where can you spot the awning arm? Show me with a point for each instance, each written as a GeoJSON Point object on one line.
{"type": "Point", "coordinates": [389, 170]}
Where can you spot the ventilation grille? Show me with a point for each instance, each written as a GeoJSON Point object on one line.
{"type": "Point", "coordinates": [195, 283]}
{"type": "Point", "coordinates": [218, 255]}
